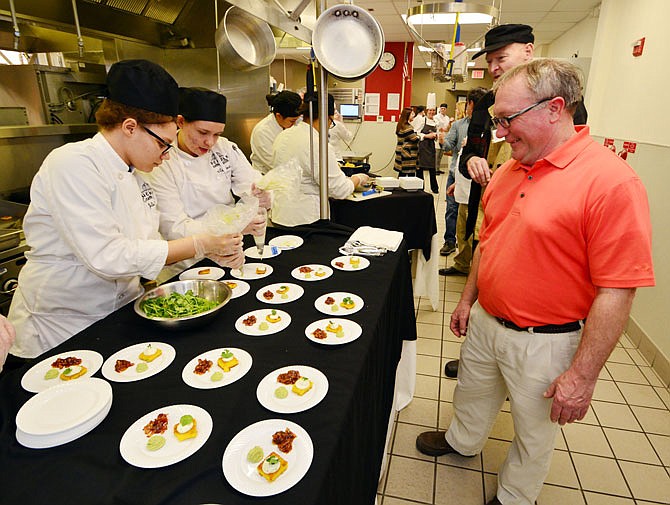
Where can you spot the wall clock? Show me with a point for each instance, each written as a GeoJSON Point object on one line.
{"type": "Point", "coordinates": [387, 61]}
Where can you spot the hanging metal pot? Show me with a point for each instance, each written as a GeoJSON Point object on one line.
{"type": "Point", "coordinates": [244, 41]}
{"type": "Point", "coordinates": [347, 41]}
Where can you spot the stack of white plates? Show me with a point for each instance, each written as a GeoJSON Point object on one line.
{"type": "Point", "coordinates": [63, 413]}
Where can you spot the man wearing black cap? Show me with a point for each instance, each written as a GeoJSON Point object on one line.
{"type": "Point", "coordinates": [205, 170]}
{"type": "Point", "coordinates": [292, 146]}
{"type": "Point", "coordinates": [92, 224]}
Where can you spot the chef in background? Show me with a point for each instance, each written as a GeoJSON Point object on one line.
{"type": "Point", "coordinates": [292, 146]}
{"type": "Point", "coordinates": [92, 223]}
{"type": "Point", "coordinates": [339, 136]}
{"type": "Point", "coordinates": [284, 112]}
{"type": "Point", "coordinates": [204, 170]}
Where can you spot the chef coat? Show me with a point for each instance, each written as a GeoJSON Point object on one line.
{"type": "Point", "coordinates": [262, 137]}
{"type": "Point", "coordinates": [92, 228]}
{"type": "Point", "coordinates": [188, 186]}
{"type": "Point", "coordinates": [304, 207]}
{"type": "Point", "coordinates": [339, 134]}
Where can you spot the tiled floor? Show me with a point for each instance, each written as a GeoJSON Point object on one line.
{"type": "Point", "coordinates": [619, 454]}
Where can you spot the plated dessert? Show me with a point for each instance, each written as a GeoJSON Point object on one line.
{"type": "Point", "coordinates": [60, 368]}
{"type": "Point", "coordinates": [292, 389]}
{"type": "Point", "coordinates": [339, 303]}
{"type": "Point", "coordinates": [280, 293]}
{"type": "Point", "coordinates": [262, 322]}
{"type": "Point", "coordinates": [333, 331]}
{"type": "Point", "coordinates": [217, 368]}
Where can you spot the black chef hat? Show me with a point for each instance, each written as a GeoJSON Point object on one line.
{"type": "Point", "coordinates": [200, 104]}
{"type": "Point", "coordinates": [504, 35]}
{"type": "Point", "coordinates": [314, 99]}
{"type": "Point", "coordinates": [286, 103]}
{"type": "Point", "coordinates": [144, 85]}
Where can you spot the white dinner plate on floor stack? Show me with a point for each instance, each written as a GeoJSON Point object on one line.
{"type": "Point", "coordinates": [63, 413]}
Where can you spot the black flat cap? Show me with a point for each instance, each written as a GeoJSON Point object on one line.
{"type": "Point", "coordinates": [144, 85]}
{"type": "Point", "coordinates": [200, 104]}
{"type": "Point", "coordinates": [504, 35]}
{"type": "Point", "coordinates": [314, 99]}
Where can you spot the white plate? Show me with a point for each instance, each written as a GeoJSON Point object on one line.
{"type": "Point", "coordinates": [294, 292]}
{"type": "Point", "coordinates": [287, 241]}
{"type": "Point", "coordinates": [243, 475]}
{"type": "Point", "coordinates": [33, 380]}
{"type": "Point", "coordinates": [352, 331]}
{"type": "Point", "coordinates": [241, 288]}
{"type": "Point", "coordinates": [248, 271]}
{"type": "Point", "coordinates": [269, 251]}
{"type": "Point", "coordinates": [320, 304]}
{"type": "Point", "coordinates": [261, 314]}
{"type": "Point", "coordinates": [293, 402]}
{"type": "Point", "coordinates": [347, 266]}
{"type": "Point", "coordinates": [311, 276]}
{"type": "Point", "coordinates": [132, 354]}
{"type": "Point", "coordinates": [44, 442]}
{"type": "Point", "coordinates": [204, 381]}
{"type": "Point", "coordinates": [133, 444]}
{"type": "Point", "coordinates": [215, 273]}
{"type": "Point", "coordinates": [63, 407]}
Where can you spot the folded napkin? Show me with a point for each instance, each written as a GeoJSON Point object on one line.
{"type": "Point", "coordinates": [377, 237]}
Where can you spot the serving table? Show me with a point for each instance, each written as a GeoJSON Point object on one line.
{"type": "Point", "coordinates": [411, 212]}
{"type": "Point", "coordinates": [348, 427]}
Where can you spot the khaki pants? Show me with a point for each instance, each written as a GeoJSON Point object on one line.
{"type": "Point", "coordinates": [497, 362]}
{"type": "Point", "coordinates": [463, 259]}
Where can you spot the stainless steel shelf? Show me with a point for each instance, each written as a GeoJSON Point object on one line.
{"type": "Point", "coordinates": [9, 132]}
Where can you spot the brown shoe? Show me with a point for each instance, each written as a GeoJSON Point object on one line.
{"type": "Point", "coordinates": [433, 443]}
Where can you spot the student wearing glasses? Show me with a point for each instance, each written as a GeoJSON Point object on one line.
{"type": "Point", "coordinates": [204, 169]}
{"type": "Point", "coordinates": [92, 223]}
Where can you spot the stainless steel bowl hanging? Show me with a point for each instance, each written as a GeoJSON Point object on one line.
{"type": "Point", "coordinates": [244, 41]}
{"type": "Point", "coordinates": [347, 41]}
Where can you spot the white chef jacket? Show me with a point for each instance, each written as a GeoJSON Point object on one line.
{"type": "Point", "coordinates": [188, 186]}
{"type": "Point", "coordinates": [304, 208]}
{"type": "Point", "coordinates": [92, 226]}
{"type": "Point", "coordinates": [262, 137]}
{"type": "Point", "coordinates": [337, 136]}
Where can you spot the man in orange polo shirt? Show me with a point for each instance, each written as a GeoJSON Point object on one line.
{"type": "Point", "coordinates": [565, 241]}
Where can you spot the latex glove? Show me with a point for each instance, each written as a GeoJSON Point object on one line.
{"type": "Point", "coordinates": [264, 199]}
{"type": "Point", "coordinates": [234, 261]}
{"type": "Point", "coordinates": [7, 336]}
{"type": "Point", "coordinates": [258, 225]}
{"type": "Point", "coordinates": [222, 245]}
{"type": "Point", "coordinates": [362, 179]}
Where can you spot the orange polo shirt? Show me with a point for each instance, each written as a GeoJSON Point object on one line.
{"type": "Point", "coordinates": [552, 232]}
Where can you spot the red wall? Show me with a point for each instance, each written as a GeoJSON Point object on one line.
{"type": "Point", "coordinates": [391, 81]}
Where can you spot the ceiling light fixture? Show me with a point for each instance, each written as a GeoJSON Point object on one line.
{"type": "Point", "coordinates": [444, 13]}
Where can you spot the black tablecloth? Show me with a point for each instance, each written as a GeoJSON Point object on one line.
{"type": "Point", "coordinates": [411, 212]}
{"type": "Point", "coordinates": [348, 427]}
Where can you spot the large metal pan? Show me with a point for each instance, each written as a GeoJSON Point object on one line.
{"type": "Point", "coordinates": [244, 41]}
{"type": "Point", "coordinates": [347, 41]}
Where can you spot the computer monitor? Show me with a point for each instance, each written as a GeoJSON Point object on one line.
{"type": "Point", "coordinates": [350, 111]}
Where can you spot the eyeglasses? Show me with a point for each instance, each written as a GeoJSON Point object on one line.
{"type": "Point", "coordinates": [506, 120]}
{"type": "Point", "coordinates": [161, 141]}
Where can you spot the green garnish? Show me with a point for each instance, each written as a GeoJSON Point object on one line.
{"type": "Point", "coordinates": [177, 305]}
{"type": "Point", "coordinates": [67, 371]}
{"type": "Point", "coordinates": [226, 354]}
{"type": "Point", "coordinates": [274, 312]}
{"type": "Point", "coordinates": [273, 460]}
{"type": "Point", "coordinates": [186, 420]}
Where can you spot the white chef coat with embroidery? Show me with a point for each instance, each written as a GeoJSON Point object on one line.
{"type": "Point", "coordinates": [188, 186]}
{"type": "Point", "coordinates": [92, 226]}
{"type": "Point", "coordinates": [262, 137]}
{"type": "Point", "coordinates": [303, 207]}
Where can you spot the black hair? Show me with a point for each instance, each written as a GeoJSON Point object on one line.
{"type": "Point", "coordinates": [286, 103]}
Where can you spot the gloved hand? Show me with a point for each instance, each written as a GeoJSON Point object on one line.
{"type": "Point", "coordinates": [362, 179]}
{"type": "Point", "coordinates": [264, 198]}
{"type": "Point", "coordinates": [222, 245]}
{"type": "Point", "coordinates": [234, 261]}
{"type": "Point", "coordinates": [258, 224]}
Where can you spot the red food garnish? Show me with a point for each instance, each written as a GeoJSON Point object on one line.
{"type": "Point", "coordinates": [284, 440]}
{"type": "Point", "coordinates": [304, 270]}
{"type": "Point", "coordinates": [122, 365]}
{"type": "Point", "coordinates": [249, 321]}
{"type": "Point", "coordinates": [66, 362]}
{"type": "Point", "coordinates": [329, 301]}
{"type": "Point", "coordinates": [203, 366]}
{"type": "Point", "coordinates": [290, 377]}
{"type": "Point", "coordinates": [268, 295]}
{"type": "Point", "coordinates": [319, 333]}
{"type": "Point", "coordinates": [157, 426]}
{"type": "Point", "coordinates": [339, 264]}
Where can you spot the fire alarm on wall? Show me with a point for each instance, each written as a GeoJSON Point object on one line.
{"type": "Point", "coordinates": [638, 47]}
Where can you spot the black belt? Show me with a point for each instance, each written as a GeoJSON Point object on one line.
{"type": "Point", "coordinates": [548, 328]}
